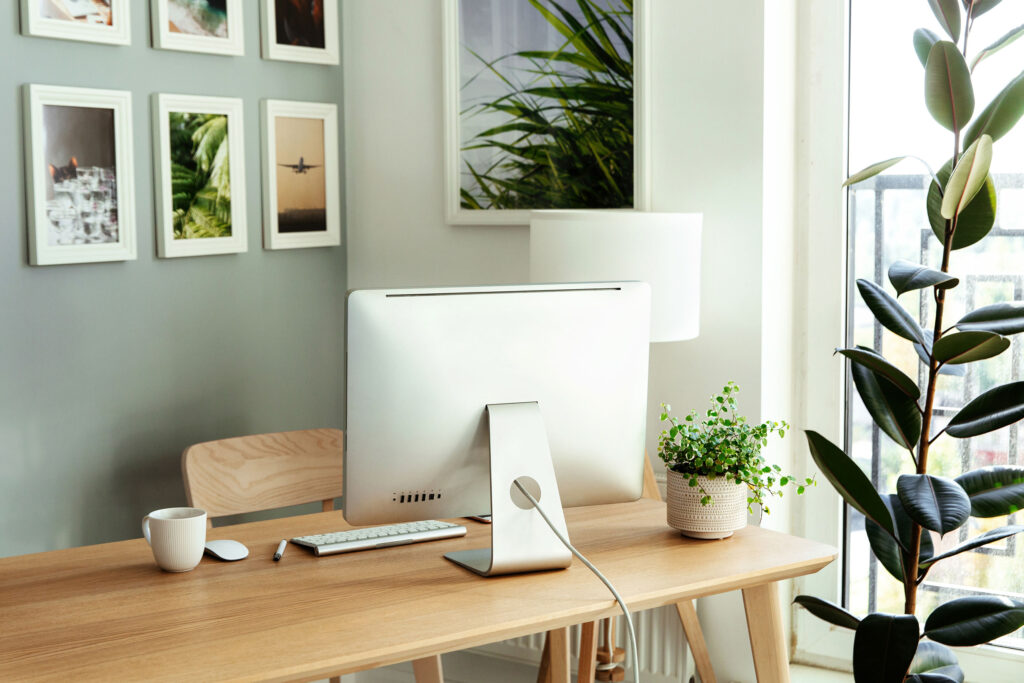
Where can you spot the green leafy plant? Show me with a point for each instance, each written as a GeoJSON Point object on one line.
{"type": "Point", "coordinates": [565, 139]}
{"type": "Point", "coordinates": [200, 175]}
{"type": "Point", "coordinates": [961, 208]}
{"type": "Point", "coordinates": [723, 444]}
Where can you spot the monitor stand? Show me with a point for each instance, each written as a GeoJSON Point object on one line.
{"type": "Point", "coordinates": [521, 540]}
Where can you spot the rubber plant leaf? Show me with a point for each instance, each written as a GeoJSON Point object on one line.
{"type": "Point", "coordinates": [994, 491]}
{"type": "Point", "coordinates": [974, 620]}
{"type": "Point", "coordinates": [967, 179]}
{"type": "Point", "coordinates": [967, 347]}
{"type": "Point", "coordinates": [948, 14]}
{"type": "Point", "coordinates": [884, 646]}
{"type": "Point", "coordinates": [934, 502]}
{"type": "Point", "coordinates": [975, 220]}
{"type": "Point", "coordinates": [888, 311]}
{"type": "Point", "coordinates": [1002, 318]}
{"type": "Point", "coordinates": [907, 276]}
{"type": "Point", "coordinates": [1001, 115]}
{"type": "Point", "coordinates": [875, 362]}
{"type": "Point", "coordinates": [948, 91]}
{"type": "Point", "coordinates": [849, 480]}
{"type": "Point", "coordinates": [826, 611]}
{"type": "Point", "coordinates": [995, 409]}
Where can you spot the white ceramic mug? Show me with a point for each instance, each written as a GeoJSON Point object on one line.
{"type": "Point", "coordinates": [177, 537]}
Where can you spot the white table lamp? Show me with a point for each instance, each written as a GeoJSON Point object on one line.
{"type": "Point", "coordinates": [662, 249]}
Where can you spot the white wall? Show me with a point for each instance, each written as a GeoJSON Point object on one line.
{"type": "Point", "coordinates": [707, 156]}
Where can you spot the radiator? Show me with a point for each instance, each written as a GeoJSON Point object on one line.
{"type": "Point", "coordinates": [662, 650]}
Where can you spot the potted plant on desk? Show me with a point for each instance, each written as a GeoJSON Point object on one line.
{"type": "Point", "coordinates": [715, 469]}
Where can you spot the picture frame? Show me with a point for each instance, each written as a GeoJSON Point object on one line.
{"type": "Point", "coordinates": [200, 199]}
{"type": "Point", "coordinates": [91, 21]}
{"type": "Point", "coordinates": [455, 110]}
{"type": "Point", "coordinates": [301, 203]}
{"type": "Point", "coordinates": [299, 39]}
{"type": "Point", "coordinates": [79, 175]}
{"type": "Point", "coordinates": [190, 28]}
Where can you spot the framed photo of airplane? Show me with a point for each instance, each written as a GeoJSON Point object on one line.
{"type": "Point", "coordinates": [301, 184]}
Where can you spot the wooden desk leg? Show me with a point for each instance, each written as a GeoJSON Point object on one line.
{"type": "Point", "coordinates": [588, 653]}
{"type": "Point", "coordinates": [428, 670]}
{"type": "Point", "coordinates": [544, 670]}
{"type": "Point", "coordinates": [695, 639]}
{"type": "Point", "coordinates": [558, 655]}
{"type": "Point", "coordinates": [767, 640]}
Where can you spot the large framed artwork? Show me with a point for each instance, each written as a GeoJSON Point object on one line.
{"type": "Point", "coordinates": [213, 26]}
{"type": "Point", "coordinates": [93, 21]}
{"type": "Point", "coordinates": [78, 167]}
{"type": "Point", "coordinates": [200, 175]}
{"type": "Point", "coordinates": [545, 108]}
{"type": "Point", "coordinates": [301, 207]}
{"type": "Point", "coordinates": [301, 31]}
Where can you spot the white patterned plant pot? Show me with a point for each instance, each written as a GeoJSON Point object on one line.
{"type": "Point", "coordinates": [719, 519]}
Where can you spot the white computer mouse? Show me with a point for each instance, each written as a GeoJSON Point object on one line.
{"type": "Point", "coordinates": [227, 550]}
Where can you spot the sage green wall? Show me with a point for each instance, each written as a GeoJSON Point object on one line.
{"type": "Point", "coordinates": [107, 371]}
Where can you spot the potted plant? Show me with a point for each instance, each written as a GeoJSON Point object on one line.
{"type": "Point", "coordinates": [903, 527]}
{"type": "Point", "coordinates": [715, 469]}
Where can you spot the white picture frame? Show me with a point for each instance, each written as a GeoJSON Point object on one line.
{"type": "Point", "coordinates": [305, 180]}
{"type": "Point", "coordinates": [454, 213]}
{"type": "Point", "coordinates": [330, 53]}
{"type": "Point", "coordinates": [68, 27]}
{"type": "Point", "coordinates": [90, 217]}
{"type": "Point", "coordinates": [166, 39]}
{"type": "Point", "coordinates": [168, 244]}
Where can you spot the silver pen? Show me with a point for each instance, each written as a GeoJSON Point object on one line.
{"type": "Point", "coordinates": [280, 549]}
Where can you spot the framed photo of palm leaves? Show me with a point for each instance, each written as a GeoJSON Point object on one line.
{"type": "Point", "coordinates": [301, 204]}
{"type": "Point", "coordinates": [200, 175]}
{"type": "Point", "coordinates": [545, 108]}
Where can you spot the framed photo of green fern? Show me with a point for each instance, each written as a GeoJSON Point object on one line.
{"type": "Point", "coordinates": [200, 175]}
{"type": "Point", "coordinates": [545, 108]}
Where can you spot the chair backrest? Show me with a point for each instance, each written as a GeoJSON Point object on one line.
{"type": "Point", "coordinates": [264, 471]}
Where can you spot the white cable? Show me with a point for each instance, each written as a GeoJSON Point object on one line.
{"type": "Point", "coordinates": [606, 582]}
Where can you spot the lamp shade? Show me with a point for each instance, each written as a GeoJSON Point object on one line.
{"type": "Point", "coordinates": [662, 249]}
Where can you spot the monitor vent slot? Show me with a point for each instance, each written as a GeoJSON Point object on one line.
{"type": "Point", "coordinates": [424, 496]}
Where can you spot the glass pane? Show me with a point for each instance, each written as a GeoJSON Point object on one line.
{"type": "Point", "coordinates": [887, 221]}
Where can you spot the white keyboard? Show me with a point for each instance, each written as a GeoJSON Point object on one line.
{"type": "Point", "coordinates": [379, 536]}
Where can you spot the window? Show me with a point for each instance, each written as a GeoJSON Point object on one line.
{"type": "Point", "coordinates": [887, 221]}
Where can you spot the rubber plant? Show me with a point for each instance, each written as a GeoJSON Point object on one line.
{"type": "Point", "coordinates": [961, 208]}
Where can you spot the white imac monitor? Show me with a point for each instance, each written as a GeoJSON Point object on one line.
{"type": "Point", "coordinates": [454, 393]}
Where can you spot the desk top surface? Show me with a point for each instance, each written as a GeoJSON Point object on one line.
{"type": "Point", "coordinates": [107, 612]}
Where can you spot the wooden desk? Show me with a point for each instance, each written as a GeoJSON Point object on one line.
{"type": "Point", "coordinates": [105, 612]}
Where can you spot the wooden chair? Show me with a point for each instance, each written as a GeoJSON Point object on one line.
{"type": "Point", "coordinates": [557, 640]}
{"type": "Point", "coordinates": [266, 471]}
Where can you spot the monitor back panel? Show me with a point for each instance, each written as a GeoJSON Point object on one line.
{"type": "Point", "coordinates": [423, 364]}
